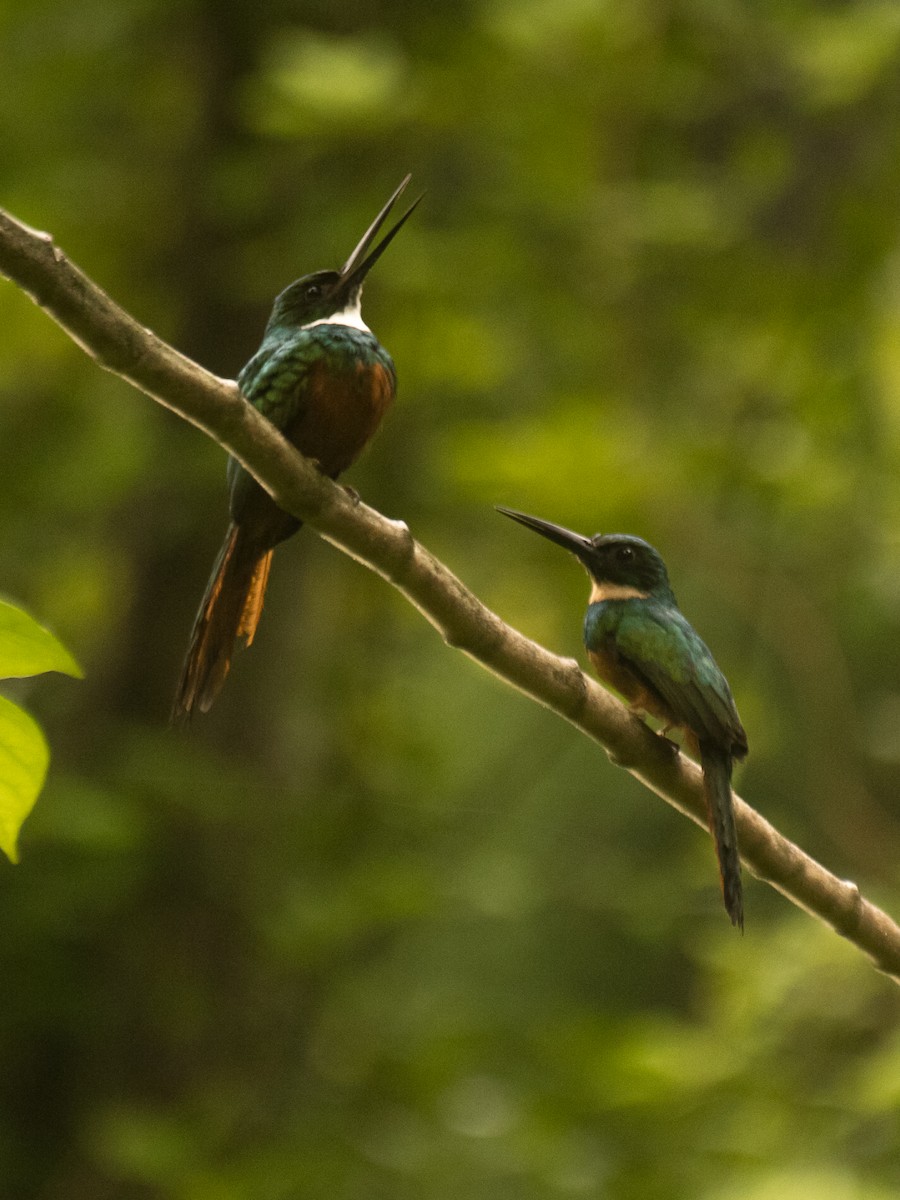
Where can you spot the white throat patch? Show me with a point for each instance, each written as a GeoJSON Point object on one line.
{"type": "Point", "coordinates": [614, 591]}
{"type": "Point", "coordinates": [350, 316]}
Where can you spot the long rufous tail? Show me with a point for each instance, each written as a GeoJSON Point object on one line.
{"type": "Point", "coordinates": [716, 765]}
{"type": "Point", "coordinates": [230, 609]}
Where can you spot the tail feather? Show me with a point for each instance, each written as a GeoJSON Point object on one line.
{"type": "Point", "coordinates": [256, 593]}
{"type": "Point", "coordinates": [230, 609]}
{"type": "Point", "coordinates": [716, 765]}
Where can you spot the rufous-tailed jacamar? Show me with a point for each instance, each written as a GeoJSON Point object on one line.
{"type": "Point", "coordinates": [324, 380]}
{"type": "Point", "coordinates": [640, 644]}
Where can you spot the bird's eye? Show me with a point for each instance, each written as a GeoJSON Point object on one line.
{"type": "Point", "coordinates": [625, 554]}
{"type": "Point", "coordinates": [313, 291]}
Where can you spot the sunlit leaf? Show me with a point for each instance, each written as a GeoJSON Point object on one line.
{"type": "Point", "coordinates": [23, 765]}
{"type": "Point", "coordinates": [27, 648]}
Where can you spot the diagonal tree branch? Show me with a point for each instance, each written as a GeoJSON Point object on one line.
{"type": "Point", "coordinates": [120, 345]}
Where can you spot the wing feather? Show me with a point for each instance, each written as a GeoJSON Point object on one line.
{"type": "Point", "coordinates": [667, 654]}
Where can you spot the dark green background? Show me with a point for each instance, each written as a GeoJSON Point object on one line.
{"type": "Point", "coordinates": [378, 927]}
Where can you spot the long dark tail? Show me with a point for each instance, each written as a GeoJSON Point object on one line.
{"type": "Point", "coordinates": [716, 765]}
{"type": "Point", "coordinates": [230, 609]}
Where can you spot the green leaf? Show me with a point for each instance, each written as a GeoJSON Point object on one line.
{"type": "Point", "coordinates": [23, 764]}
{"type": "Point", "coordinates": [27, 648]}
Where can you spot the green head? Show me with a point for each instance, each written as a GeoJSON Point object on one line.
{"type": "Point", "coordinates": [621, 566]}
{"type": "Point", "coordinates": [335, 295]}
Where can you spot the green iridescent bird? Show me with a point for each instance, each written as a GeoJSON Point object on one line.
{"type": "Point", "coordinates": [640, 644]}
{"type": "Point", "coordinates": [323, 379]}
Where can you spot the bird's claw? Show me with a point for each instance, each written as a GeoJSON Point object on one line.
{"type": "Point", "coordinates": [353, 494]}
{"type": "Point", "coordinates": [673, 747]}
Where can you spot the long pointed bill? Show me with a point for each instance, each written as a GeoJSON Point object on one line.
{"type": "Point", "coordinates": [359, 264]}
{"type": "Point", "coordinates": [575, 543]}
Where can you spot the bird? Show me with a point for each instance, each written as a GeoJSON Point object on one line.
{"type": "Point", "coordinates": [323, 379]}
{"type": "Point", "coordinates": [640, 644]}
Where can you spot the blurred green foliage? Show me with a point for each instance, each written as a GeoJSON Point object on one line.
{"type": "Point", "coordinates": [379, 927]}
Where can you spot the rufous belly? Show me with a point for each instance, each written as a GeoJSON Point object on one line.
{"type": "Point", "coordinates": [343, 409]}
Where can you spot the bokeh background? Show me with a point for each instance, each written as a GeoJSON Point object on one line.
{"type": "Point", "coordinates": [378, 927]}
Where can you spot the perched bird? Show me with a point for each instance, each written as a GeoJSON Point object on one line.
{"type": "Point", "coordinates": [323, 379]}
{"type": "Point", "coordinates": [640, 644]}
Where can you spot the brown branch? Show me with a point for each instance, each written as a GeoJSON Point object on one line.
{"type": "Point", "coordinates": [31, 260]}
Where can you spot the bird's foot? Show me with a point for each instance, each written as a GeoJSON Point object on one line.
{"type": "Point", "coordinates": [354, 495]}
{"type": "Point", "coordinates": [671, 745]}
